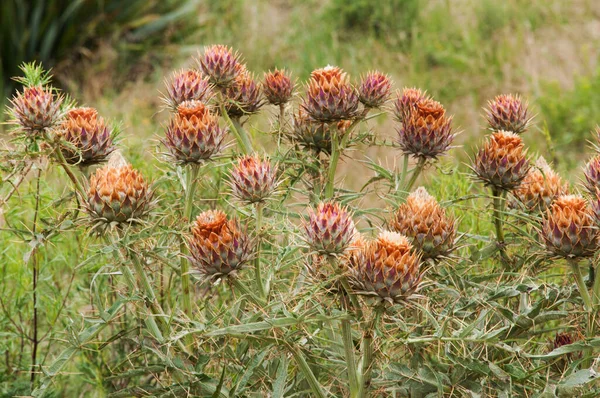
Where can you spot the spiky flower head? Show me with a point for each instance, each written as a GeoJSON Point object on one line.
{"type": "Point", "coordinates": [118, 193]}
{"type": "Point", "coordinates": [220, 64]}
{"type": "Point", "coordinates": [329, 228]}
{"type": "Point", "coordinates": [407, 100]}
{"type": "Point", "coordinates": [36, 108]}
{"type": "Point", "coordinates": [592, 174]}
{"type": "Point", "coordinates": [244, 96]}
{"type": "Point", "coordinates": [386, 268]}
{"type": "Point", "coordinates": [88, 138]}
{"type": "Point", "coordinates": [253, 179]}
{"type": "Point", "coordinates": [426, 224]}
{"type": "Point", "coordinates": [187, 85]}
{"type": "Point", "coordinates": [193, 134]}
{"type": "Point", "coordinates": [218, 246]}
{"type": "Point", "coordinates": [278, 87]}
{"type": "Point", "coordinates": [374, 89]}
{"type": "Point", "coordinates": [507, 112]}
{"type": "Point", "coordinates": [426, 131]}
{"type": "Point", "coordinates": [568, 228]}
{"type": "Point", "coordinates": [502, 162]}
{"type": "Point", "coordinates": [330, 96]}
{"type": "Point", "coordinates": [540, 187]}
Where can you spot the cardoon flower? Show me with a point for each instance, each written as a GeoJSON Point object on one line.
{"type": "Point", "coordinates": [507, 112]}
{"type": "Point", "coordinates": [88, 138]}
{"type": "Point", "coordinates": [253, 179]}
{"type": "Point", "coordinates": [118, 194]}
{"type": "Point", "coordinates": [220, 64]}
{"type": "Point", "coordinates": [187, 85]}
{"type": "Point", "coordinates": [329, 228]}
{"type": "Point", "coordinates": [540, 187]}
{"type": "Point", "coordinates": [218, 246]}
{"type": "Point", "coordinates": [278, 87]}
{"type": "Point", "coordinates": [386, 268]}
{"type": "Point", "coordinates": [330, 97]}
{"type": "Point", "coordinates": [502, 162]}
{"type": "Point", "coordinates": [568, 228]}
{"type": "Point", "coordinates": [36, 108]}
{"type": "Point", "coordinates": [426, 224]}
{"type": "Point", "coordinates": [425, 132]}
{"type": "Point", "coordinates": [592, 174]}
{"type": "Point", "coordinates": [407, 100]}
{"type": "Point", "coordinates": [374, 89]}
{"type": "Point", "coordinates": [244, 96]}
{"type": "Point", "coordinates": [194, 134]}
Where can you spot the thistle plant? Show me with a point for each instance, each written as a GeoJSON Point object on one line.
{"type": "Point", "coordinates": [502, 165]}
{"type": "Point", "coordinates": [241, 265]}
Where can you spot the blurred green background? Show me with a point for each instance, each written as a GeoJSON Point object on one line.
{"type": "Point", "coordinates": [115, 54]}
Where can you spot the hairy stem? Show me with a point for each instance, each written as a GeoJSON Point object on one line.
{"type": "Point", "coordinates": [415, 174]}
{"type": "Point", "coordinates": [238, 131]}
{"type": "Point", "coordinates": [314, 384]}
{"type": "Point", "coordinates": [367, 351]}
{"type": "Point", "coordinates": [192, 179]}
{"type": "Point", "coordinates": [349, 350]}
{"type": "Point", "coordinates": [583, 291]}
{"type": "Point", "coordinates": [257, 266]}
{"type": "Point", "coordinates": [35, 274]}
{"type": "Point", "coordinates": [333, 161]}
{"type": "Point", "coordinates": [499, 200]}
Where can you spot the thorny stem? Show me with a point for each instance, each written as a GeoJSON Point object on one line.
{"type": "Point", "coordinates": [587, 302]}
{"type": "Point", "coordinates": [257, 266]}
{"type": "Point", "coordinates": [192, 179]}
{"type": "Point", "coordinates": [349, 349]}
{"type": "Point", "coordinates": [415, 174]}
{"type": "Point", "coordinates": [596, 288]}
{"type": "Point", "coordinates": [240, 134]}
{"type": "Point", "coordinates": [281, 122]}
{"type": "Point", "coordinates": [366, 365]}
{"type": "Point", "coordinates": [499, 199]}
{"type": "Point", "coordinates": [63, 163]}
{"type": "Point", "coordinates": [35, 271]}
{"type": "Point", "coordinates": [333, 161]}
{"type": "Point", "coordinates": [404, 170]}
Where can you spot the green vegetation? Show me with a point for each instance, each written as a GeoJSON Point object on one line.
{"type": "Point", "coordinates": [479, 327]}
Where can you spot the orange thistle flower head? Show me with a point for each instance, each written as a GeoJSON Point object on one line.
{"type": "Point", "coordinates": [278, 87]}
{"type": "Point", "coordinates": [217, 246]}
{"type": "Point", "coordinates": [88, 138]}
{"type": "Point", "coordinates": [407, 100]}
{"type": "Point", "coordinates": [426, 131]}
{"type": "Point", "coordinates": [386, 268]}
{"type": "Point", "coordinates": [118, 194]}
{"type": "Point", "coordinates": [426, 224]}
{"type": "Point", "coordinates": [502, 162]}
{"type": "Point", "coordinates": [330, 96]}
{"type": "Point", "coordinates": [540, 187]}
{"type": "Point", "coordinates": [193, 134]}
{"type": "Point", "coordinates": [568, 228]}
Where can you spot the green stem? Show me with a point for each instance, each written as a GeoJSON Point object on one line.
{"type": "Point", "coordinates": [333, 161]}
{"type": "Point", "coordinates": [583, 291]}
{"type": "Point", "coordinates": [367, 349]}
{"type": "Point", "coordinates": [596, 288]}
{"type": "Point", "coordinates": [63, 163]}
{"type": "Point", "coordinates": [192, 179]}
{"type": "Point", "coordinates": [404, 170]}
{"type": "Point", "coordinates": [257, 266]}
{"type": "Point", "coordinates": [240, 134]}
{"type": "Point", "coordinates": [349, 350]}
{"type": "Point", "coordinates": [499, 199]}
{"type": "Point", "coordinates": [415, 174]}
{"type": "Point", "coordinates": [587, 302]}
